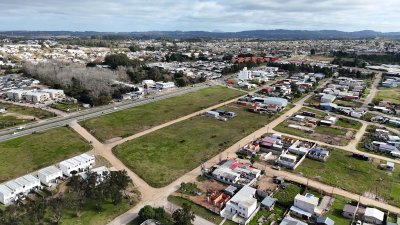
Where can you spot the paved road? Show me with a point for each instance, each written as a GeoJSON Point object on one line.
{"type": "Point", "coordinates": [87, 114]}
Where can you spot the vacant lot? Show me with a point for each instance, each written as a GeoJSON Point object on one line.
{"type": "Point", "coordinates": [29, 153]}
{"type": "Point", "coordinates": [390, 94]}
{"type": "Point", "coordinates": [17, 115]}
{"type": "Point", "coordinates": [67, 107]}
{"type": "Point", "coordinates": [166, 154]}
{"type": "Point", "coordinates": [134, 120]}
{"type": "Point", "coordinates": [357, 176]}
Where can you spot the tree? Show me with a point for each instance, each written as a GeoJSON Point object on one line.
{"type": "Point", "coordinates": [56, 207]}
{"type": "Point", "coordinates": [312, 52]}
{"type": "Point", "coordinates": [36, 211]}
{"type": "Point", "coordinates": [134, 48]}
{"type": "Point", "coordinates": [147, 212]}
{"type": "Point", "coordinates": [183, 216]}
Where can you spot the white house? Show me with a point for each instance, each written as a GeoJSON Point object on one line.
{"type": "Point", "coordinates": [328, 98]}
{"type": "Point", "coordinates": [373, 216]}
{"type": "Point", "coordinates": [149, 83]}
{"type": "Point", "coordinates": [49, 175]}
{"type": "Point", "coordinates": [55, 93]}
{"type": "Point", "coordinates": [243, 204]}
{"type": "Point", "coordinates": [6, 195]}
{"type": "Point", "coordinates": [37, 97]}
{"type": "Point", "coordinates": [164, 85]}
{"type": "Point", "coordinates": [23, 185]}
{"type": "Point", "coordinates": [304, 205]}
{"type": "Point", "coordinates": [16, 95]}
{"type": "Point", "coordinates": [77, 164]}
{"type": "Point", "coordinates": [287, 160]}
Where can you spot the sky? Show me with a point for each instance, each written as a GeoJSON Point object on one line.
{"type": "Point", "coordinates": [196, 15]}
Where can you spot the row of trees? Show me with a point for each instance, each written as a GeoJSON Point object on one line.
{"type": "Point", "coordinates": [302, 68]}
{"type": "Point", "coordinates": [182, 216]}
{"type": "Point", "coordinates": [83, 194]}
{"type": "Point", "coordinates": [90, 85]}
{"type": "Point", "coordinates": [356, 59]}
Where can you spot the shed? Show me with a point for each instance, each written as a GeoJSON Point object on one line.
{"type": "Point", "coordinates": [327, 98]}
{"type": "Point", "coordinates": [325, 221]}
{"type": "Point", "coordinates": [349, 211]}
{"type": "Point", "coordinates": [373, 216]}
{"type": "Point", "coordinates": [230, 190]}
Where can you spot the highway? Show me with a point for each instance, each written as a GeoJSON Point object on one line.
{"type": "Point", "coordinates": [90, 113]}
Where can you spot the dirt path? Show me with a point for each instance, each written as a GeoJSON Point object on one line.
{"type": "Point", "coordinates": [373, 91]}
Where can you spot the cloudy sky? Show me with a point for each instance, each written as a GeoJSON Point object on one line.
{"type": "Point", "coordinates": [208, 15]}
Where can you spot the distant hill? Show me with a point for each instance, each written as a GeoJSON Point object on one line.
{"type": "Point", "coordinates": [254, 34]}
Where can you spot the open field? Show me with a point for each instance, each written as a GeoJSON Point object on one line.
{"type": "Point", "coordinates": [286, 196]}
{"type": "Point", "coordinates": [164, 155]}
{"type": "Point", "coordinates": [17, 115]}
{"type": "Point", "coordinates": [26, 154]}
{"type": "Point", "coordinates": [27, 111]}
{"type": "Point", "coordinates": [390, 94]}
{"type": "Point", "coordinates": [134, 120]}
{"type": "Point", "coordinates": [357, 176]}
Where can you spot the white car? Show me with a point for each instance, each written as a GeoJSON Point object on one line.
{"type": "Point", "coordinates": [359, 222]}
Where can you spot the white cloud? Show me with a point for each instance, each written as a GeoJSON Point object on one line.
{"type": "Point", "coordinates": [227, 15]}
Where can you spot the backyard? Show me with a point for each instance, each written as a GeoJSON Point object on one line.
{"type": "Point", "coordinates": [335, 213]}
{"type": "Point", "coordinates": [134, 120]}
{"type": "Point", "coordinates": [357, 176]}
{"type": "Point", "coordinates": [26, 154]}
{"type": "Point", "coordinates": [166, 154]}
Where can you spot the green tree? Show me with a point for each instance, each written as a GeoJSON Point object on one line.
{"type": "Point", "coordinates": [147, 212]}
{"type": "Point", "coordinates": [312, 52]}
{"type": "Point", "coordinates": [183, 216]}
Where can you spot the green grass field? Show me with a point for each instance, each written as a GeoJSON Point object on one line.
{"type": "Point", "coordinates": [89, 216]}
{"type": "Point", "coordinates": [357, 176]}
{"type": "Point", "coordinates": [134, 120]}
{"type": "Point", "coordinates": [67, 107]}
{"type": "Point", "coordinates": [389, 94]}
{"type": "Point", "coordinates": [166, 154]}
{"type": "Point", "coordinates": [286, 196]}
{"type": "Point", "coordinates": [26, 154]}
{"type": "Point", "coordinates": [27, 111]}
{"type": "Point", "coordinates": [277, 212]}
{"type": "Point", "coordinates": [348, 123]}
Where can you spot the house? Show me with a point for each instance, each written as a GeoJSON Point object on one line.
{"type": "Point", "coordinates": [271, 144]}
{"type": "Point", "coordinates": [244, 75]}
{"type": "Point", "coordinates": [268, 203]}
{"type": "Point", "coordinates": [388, 166]}
{"type": "Point", "coordinates": [55, 93]}
{"type": "Point", "coordinates": [325, 221]}
{"type": "Point", "coordinates": [288, 220]}
{"type": "Point", "coordinates": [49, 175]}
{"type": "Point", "coordinates": [164, 85]}
{"type": "Point", "coordinates": [23, 185]}
{"type": "Point", "coordinates": [287, 160]}
{"type": "Point", "coordinates": [328, 106]}
{"type": "Point", "coordinates": [304, 206]}
{"type": "Point", "coordinates": [16, 94]}
{"type": "Point", "coordinates": [327, 98]}
{"type": "Point", "coordinates": [37, 97]}
{"type": "Point", "coordinates": [281, 102]}
{"type": "Point", "coordinates": [320, 154]}
{"type": "Point", "coordinates": [350, 211]}
{"type": "Point", "coordinates": [149, 83]}
{"type": "Point", "coordinates": [373, 216]}
{"type": "Point", "coordinates": [7, 195]}
{"type": "Point", "coordinates": [77, 164]}
{"type": "Point", "coordinates": [300, 148]}
{"type": "Point", "coordinates": [243, 204]}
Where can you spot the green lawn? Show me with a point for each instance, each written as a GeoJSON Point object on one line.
{"type": "Point", "coordinates": [26, 154]}
{"type": "Point", "coordinates": [318, 113]}
{"type": "Point", "coordinates": [336, 211]}
{"type": "Point", "coordinates": [28, 111]}
{"type": "Point", "coordinates": [390, 94]}
{"type": "Point", "coordinates": [357, 176]}
{"type": "Point", "coordinates": [286, 195]}
{"type": "Point", "coordinates": [134, 120]}
{"type": "Point", "coordinates": [277, 212]}
{"type": "Point", "coordinates": [197, 209]}
{"type": "Point", "coordinates": [67, 107]}
{"type": "Point", "coordinates": [89, 216]}
{"type": "Point", "coordinates": [166, 154]}
{"type": "Point", "coordinates": [348, 123]}
{"type": "Point", "coordinates": [352, 104]}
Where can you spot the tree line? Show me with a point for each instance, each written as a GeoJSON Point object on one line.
{"type": "Point", "coordinates": [359, 60]}
{"type": "Point", "coordinates": [81, 195]}
{"type": "Point", "coordinates": [181, 216]}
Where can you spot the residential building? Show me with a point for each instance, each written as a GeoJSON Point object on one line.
{"type": "Point", "coordinates": [326, 98]}
{"type": "Point", "coordinates": [164, 85]}
{"type": "Point", "coordinates": [24, 184]}
{"type": "Point", "coordinates": [77, 164]}
{"type": "Point", "coordinates": [304, 206]}
{"type": "Point", "coordinates": [54, 93]}
{"type": "Point", "coordinates": [243, 204]}
{"type": "Point", "coordinates": [350, 211]}
{"type": "Point", "coordinates": [288, 220]}
{"type": "Point", "coordinates": [7, 196]}
{"type": "Point", "coordinates": [37, 97]}
{"type": "Point", "coordinates": [49, 175]}
{"type": "Point", "coordinates": [287, 160]}
{"type": "Point", "coordinates": [373, 216]}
